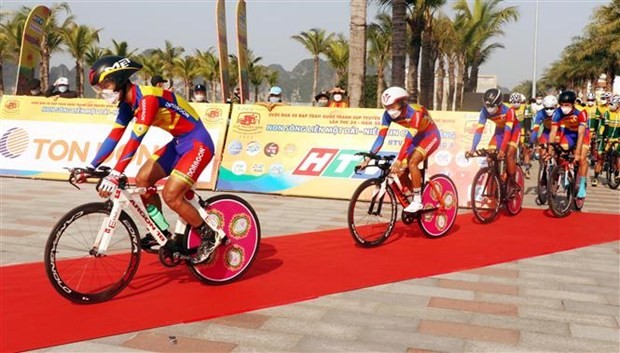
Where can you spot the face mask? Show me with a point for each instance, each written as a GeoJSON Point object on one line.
{"type": "Point", "coordinates": [337, 97]}
{"type": "Point", "coordinates": [110, 96]}
{"type": "Point", "coordinates": [516, 105]}
{"type": "Point", "coordinates": [274, 99]}
{"type": "Point", "coordinates": [200, 97]}
{"type": "Point", "coordinates": [590, 103]}
{"type": "Point", "coordinates": [62, 89]}
{"type": "Point", "coordinates": [35, 92]}
{"type": "Point", "coordinates": [323, 102]}
{"type": "Point", "coordinates": [566, 110]}
{"type": "Point", "coordinates": [539, 102]}
{"type": "Point", "coordinates": [614, 107]}
{"type": "Point", "coordinates": [394, 113]}
{"type": "Point", "coordinates": [603, 101]}
{"type": "Point", "coordinates": [549, 112]}
{"type": "Point", "coordinates": [492, 110]}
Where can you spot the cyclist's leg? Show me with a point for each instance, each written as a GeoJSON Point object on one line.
{"type": "Point", "coordinates": [423, 145]}
{"type": "Point", "coordinates": [598, 167]}
{"type": "Point", "coordinates": [583, 164]}
{"type": "Point", "coordinates": [511, 155]}
{"type": "Point", "coordinates": [154, 169]}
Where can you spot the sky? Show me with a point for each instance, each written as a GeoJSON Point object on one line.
{"type": "Point", "coordinates": [271, 23]}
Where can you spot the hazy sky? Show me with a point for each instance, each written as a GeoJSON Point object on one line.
{"type": "Point", "coordinates": [271, 23]}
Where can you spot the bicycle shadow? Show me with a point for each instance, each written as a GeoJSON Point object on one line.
{"type": "Point", "coordinates": [152, 274]}
{"type": "Point", "coordinates": [412, 230]}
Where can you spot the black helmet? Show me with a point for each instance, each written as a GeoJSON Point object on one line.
{"type": "Point", "coordinates": [113, 68]}
{"type": "Point", "coordinates": [200, 88]}
{"type": "Point", "coordinates": [567, 97]}
{"type": "Point", "coordinates": [493, 97]}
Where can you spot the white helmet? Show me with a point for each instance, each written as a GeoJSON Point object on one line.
{"type": "Point", "coordinates": [615, 102]}
{"type": "Point", "coordinates": [393, 94]}
{"type": "Point", "coordinates": [591, 96]}
{"type": "Point", "coordinates": [549, 103]}
{"type": "Point", "coordinates": [515, 98]}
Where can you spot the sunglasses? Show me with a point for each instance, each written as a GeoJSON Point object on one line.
{"type": "Point", "coordinates": [491, 105]}
{"type": "Point", "coordinates": [549, 109]}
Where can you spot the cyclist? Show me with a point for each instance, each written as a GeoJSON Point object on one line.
{"type": "Point", "coordinates": [593, 124]}
{"type": "Point", "coordinates": [542, 122]}
{"type": "Point", "coordinates": [571, 124]}
{"type": "Point", "coordinates": [422, 138]}
{"type": "Point", "coordinates": [517, 101]}
{"type": "Point", "coordinates": [182, 159]}
{"type": "Point", "coordinates": [507, 132]}
{"type": "Point", "coordinates": [608, 132]}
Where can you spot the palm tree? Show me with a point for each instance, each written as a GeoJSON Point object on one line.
{"type": "Point", "coordinates": [380, 49]}
{"type": "Point", "coordinates": [357, 46]}
{"type": "Point", "coordinates": [338, 57]}
{"type": "Point", "coordinates": [316, 41]}
{"type": "Point", "coordinates": [93, 53]}
{"type": "Point", "coordinates": [483, 22]}
{"type": "Point", "coordinates": [167, 56]}
{"type": "Point", "coordinates": [208, 67]}
{"type": "Point", "coordinates": [186, 69]}
{"type": "Point", "coordinates": [445, 40]}
{"type": "Point", "coordinates": [272, 77]}
{"type": "Point", "coordinates": [10, 42]}
{"type": "Point", "coordinates": [151, 66]}
{"type": "Point", "coordinates": [426, 10]}
{"type": "Point", "coordinates": [257, 75]}
{"type": "Point", "coordinates": [78, 38]}
{"type": "Point", "coordinates": [121, 49]}
{"type": "Point", "coordinates": [399, 41]}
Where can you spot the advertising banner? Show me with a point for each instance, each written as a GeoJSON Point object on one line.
{"type": "Point", "coordinates": [42, 136]}
{"type": "Point", "coordinates": [30, 52]}
{"type": "Point", "coordinates": [306, 151]}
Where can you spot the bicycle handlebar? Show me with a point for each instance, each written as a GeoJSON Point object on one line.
{"type": "Point", "coordinates": [562, 152]}
{"type": "Point", "coordinates": [376, 158]}
{"type": "Point", "coordinates": [482, 153]}
{"type": "Point", "coordinates": [79, 175]}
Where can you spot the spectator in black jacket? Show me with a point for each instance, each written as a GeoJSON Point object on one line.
{"type": "Point", "coordinates": [61, 89]}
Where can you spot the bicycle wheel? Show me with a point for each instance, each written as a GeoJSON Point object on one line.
{"type": "Point", "coordinates": [78, 275]}
{"type": "Point", "coordinates": [541, 186]}
{"type": "Point", "coordinates": [560, 192]}
{"type": "Point", "coordinates": [233, 257]}
{"type": "Point", "coordinates": [372, 213]}
{"type": "Point", "coordinates": [485, 195]}
{"type": "Point", "coordinates": [437, 223]}
{"type": "Point", "coordinates": [613, 179]}
{"type": "Point", "coordinates": [515, 203]}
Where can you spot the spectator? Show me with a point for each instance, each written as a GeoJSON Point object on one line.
{"type": "Point", "coordinates": [338, 98]}
{"type": "Point", "coordinates": [322, 99]}
{"type": "Point", "coordinates": [200, 94]}
{"type": "Point", "coordinates": [235, 97]}
{"type": "Point", "coordinates": [34, 86]}
{"type": "Point", "coordinates": [61, 89]}
{"type": "Point", "coordinates": [274, 99]}
{"type": "Point", "coordinates": [158, 81]}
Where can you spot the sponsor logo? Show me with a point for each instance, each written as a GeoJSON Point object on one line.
{"type": "Point", "coordinates": [247, 123]}
{"type": "Point", "coordinates": [328, 162]}
{"type": "Point", "coordinates": [235, 147]}
{"type": "Point", "coordinates": [258, 168]}
{"type": "Point", "coordinates": [124, 62]}
{"type": "Point", "coordinates": [14, 142]}
{"type": "Point", "coordinates": [239, 167]}
{"type": "Point", "coordinates": [276, 170]}
{"type": "Point", "coordinates": [11, 106]}
{"type": "Point", "coordinates": [271, 149]}
{"type": "Point", "coordinates": [443, 158]}
{"type": "Point", "coordinates": [290, 149]}
{"type": "Point", "coordinates": [461, 161]}
{"type": "Point", "coordinates": [196, 163]}
{"type": "Point", "coordinates": [213, 114]}
{"type": "Point", "coordinates": [253, 148]}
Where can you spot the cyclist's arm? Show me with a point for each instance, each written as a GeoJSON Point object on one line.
{"type": "Point", "coordinates": [383, 130]}
{"type": "Point", "coordinates": [510, 121]}
{"type": "Point", "coordinates": [602, 123]}
{"type": "Point", "coordinates": [109, 144]}
{"type": "Point", "coordinates": [411, 132]}
{"type": "Point", "coordinates": [535, 128]}
{"type": "Point", "coordinates": [479, 129]}
{"type": "Point", "coordinates": [555, 124]}
{"type": "Point", "coordinates": [147, 109]}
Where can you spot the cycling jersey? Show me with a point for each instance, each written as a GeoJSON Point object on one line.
{"type": "Point", "coordinates": [507, 128]}
{"type": "Point", "coordinates": [541, 128]}
{"type": "Point", "coordinates": [191, 147]}
{"type": "Point", "coordinates": [422, 133]}
{"type": "Point", "coordinates": [593, 120]}
{"type": "Point", "coordinates": [568, 126]}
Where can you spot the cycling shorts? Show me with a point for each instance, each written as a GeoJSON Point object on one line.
{"type": "Point", "coordinates": [498, 137]}
{"type": "Point", "coordinates": [425, 142]}
{"type": "Point", "coordinates": [568, 140]}
{"type": "Point", "coordinates": [187, 156]}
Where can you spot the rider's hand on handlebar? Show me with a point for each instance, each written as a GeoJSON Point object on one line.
{"type": "Point", "coordinates": [109, 183]}
{"type": "Point", "coordinates": [364, 163]}
{"type": "Point", "coordinates": [501, 155]}
{"type": "Point", "coordinates": [396, 168]}
{"type": "Point", "coordinates": [80, 175]}
{"type": "Point", "coordinates": [469, 154]}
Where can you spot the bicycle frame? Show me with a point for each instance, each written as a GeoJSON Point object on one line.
{"type": "Point", "coordinates": [129, 199]}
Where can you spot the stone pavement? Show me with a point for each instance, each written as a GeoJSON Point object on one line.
{"type": "Point", "coordinates": [562, 302]}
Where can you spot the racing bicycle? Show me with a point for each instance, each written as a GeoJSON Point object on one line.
{"type": "Point", "coordinates": [93, 252]}
{"type": "Point", "coordinates": [373, 208]}
{"type": "Point", "coordinates": [611, 159]}
{"type": "Point", "coordinates": [490, 188]}
{"type": "Point", "coordinates": [563, 183]}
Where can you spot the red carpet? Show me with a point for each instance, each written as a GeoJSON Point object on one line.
{"type": "Point", "coordinates": [289, 269]}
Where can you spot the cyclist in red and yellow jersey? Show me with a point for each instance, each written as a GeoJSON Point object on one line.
{"type": "Point", "coordinates": [422, 138]}
{"type": "Point", "coordinates": [183, 158]}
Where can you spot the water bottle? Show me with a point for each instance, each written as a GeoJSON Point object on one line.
{"type": "Point", "coordinates": [157, 217]}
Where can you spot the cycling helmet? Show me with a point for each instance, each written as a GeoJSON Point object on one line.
{"type": "Point", "coordinates": [591, 96]}
{"type": "Point", "coordinates": [567, 97]}
{"type": "Point", "coordinates": [392, 95]}
{"type": "Point", "coordinates": [200, 88]}
{"type": "Point", "coordinates": [615, 102]}
{"type": "Point", "coordinates": [493, 97]}
{"type": "Point", "coordinates": [117, 69]}
{"type": "Point", "coordinates": [607, 95]}
{"type": "Point", "coordinates": [550, 101]}
{"type": "Point", "coordinates": [515, 98]}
